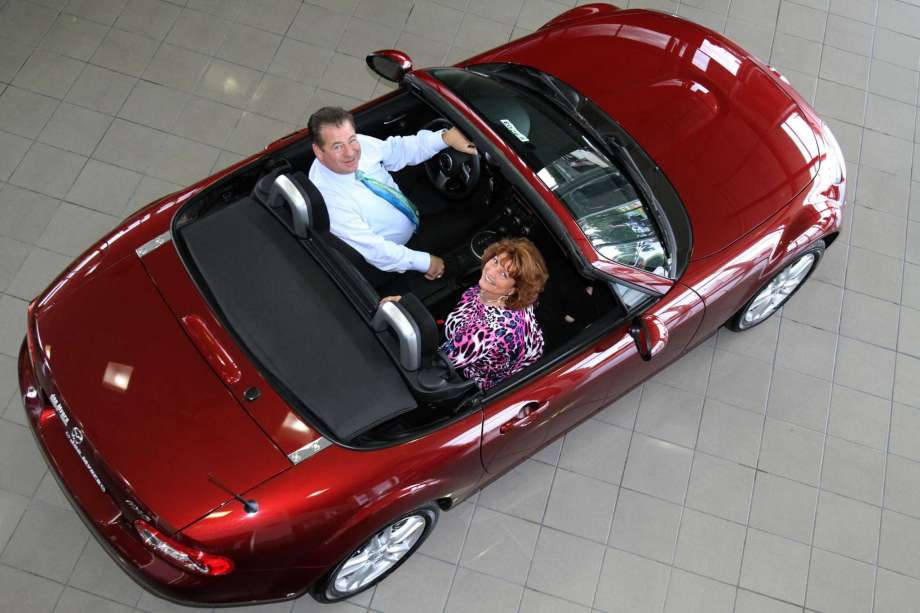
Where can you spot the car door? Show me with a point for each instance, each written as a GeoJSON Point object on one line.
{"type": "Point", "coordinates": [518, 423]}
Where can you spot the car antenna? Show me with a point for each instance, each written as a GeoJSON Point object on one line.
{"type": "Point", "coordinates": [250, 506]}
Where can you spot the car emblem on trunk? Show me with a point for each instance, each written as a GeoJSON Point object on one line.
{"type": "Point", "coordinates": [59, 409]}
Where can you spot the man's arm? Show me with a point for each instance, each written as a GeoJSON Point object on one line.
{"type": "Point", "coordinates": [397, 152]}
{"type": "Point", "coordinates": [379, 252]}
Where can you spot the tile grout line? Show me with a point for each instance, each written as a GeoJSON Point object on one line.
{"type": "Point", "coordinates": [620, 488]}
{"type": "Point", "coordinates": [837, 336]}
{"type": "Point", "coordinates": [894, 378]}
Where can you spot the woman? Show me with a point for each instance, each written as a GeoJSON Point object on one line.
{"type": "Point", "coordinates": [492, 332]}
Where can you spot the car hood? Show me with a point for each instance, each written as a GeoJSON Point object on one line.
{"type": "Point", "coordinates": [735, 142]}
{"type": "Point", "coordinates": [157, 422]}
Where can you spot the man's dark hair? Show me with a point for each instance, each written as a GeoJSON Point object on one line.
{"type": "Point", "coordinates": [327, 116]}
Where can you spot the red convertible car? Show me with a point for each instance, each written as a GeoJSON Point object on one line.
{"type": "Point", "coordinates": [236, 418]}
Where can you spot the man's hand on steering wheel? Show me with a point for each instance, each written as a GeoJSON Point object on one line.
{"type": "Point", "coordinates": [455, 139]}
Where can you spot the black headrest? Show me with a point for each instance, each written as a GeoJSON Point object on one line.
{"type": "Point", "coordinates": [268, 192]}
{"type": "Point", "coordinates": [319, 215]}
{"type": "Point", "coordinates": [427, 328]}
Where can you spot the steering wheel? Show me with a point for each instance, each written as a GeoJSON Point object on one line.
{"type": "Point", "coordinates": [453, 173]}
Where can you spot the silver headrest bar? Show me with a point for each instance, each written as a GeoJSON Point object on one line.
{"type": "Point", "coordinates": [389, 314]}
{"type": "Point", "coordinates": [300, 212]}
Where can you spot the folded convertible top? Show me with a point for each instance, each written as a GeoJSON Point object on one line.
{"type": "Point", "coordinates": [293, 320]}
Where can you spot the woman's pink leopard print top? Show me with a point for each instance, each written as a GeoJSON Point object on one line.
{"type": "Point", "coordinates": [490, 343]}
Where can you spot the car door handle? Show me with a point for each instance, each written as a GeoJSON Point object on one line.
{"type": "Point", "coordinates": [529, 413]}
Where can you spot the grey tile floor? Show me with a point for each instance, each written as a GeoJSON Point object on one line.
{"type": "Point", "coordinates": [777, 470]}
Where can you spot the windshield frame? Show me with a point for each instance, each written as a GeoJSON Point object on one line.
{"type": "Point", "coordinates": [656, 194]}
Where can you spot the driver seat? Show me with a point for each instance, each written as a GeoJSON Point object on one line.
{"type": "Point", "coordinates": [270, 193]}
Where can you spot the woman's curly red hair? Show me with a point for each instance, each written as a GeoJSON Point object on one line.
{"type": "Point", "coordinates": [526, 267]}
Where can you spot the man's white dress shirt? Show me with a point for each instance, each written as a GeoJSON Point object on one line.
{"type": "Point", "coordinates": [364, 220]}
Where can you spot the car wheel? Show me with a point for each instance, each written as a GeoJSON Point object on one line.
{"type": "Point", "coordinates": [780, 288]}
{"type": "Point", "coordinates": [378, 556]}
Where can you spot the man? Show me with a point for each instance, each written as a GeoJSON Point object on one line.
{"type": "Point", "coordinates": [366, 208]}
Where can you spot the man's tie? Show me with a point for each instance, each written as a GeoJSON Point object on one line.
{"type": "Point", "coordinates": [393, 196]}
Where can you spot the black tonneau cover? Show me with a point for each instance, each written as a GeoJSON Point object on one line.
{"type": "Point", "coordinates": [293, 319]}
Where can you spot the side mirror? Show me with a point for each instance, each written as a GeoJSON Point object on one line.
{"type": "Point", "coordinates": [390, 64]}
{"type": "Point", "coordinates": [650, 335]}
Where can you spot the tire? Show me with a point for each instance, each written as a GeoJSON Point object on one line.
{"type": "Point", "coordinates": [356, 572]}
{"type": "Point", "coordinates": [779, 289]}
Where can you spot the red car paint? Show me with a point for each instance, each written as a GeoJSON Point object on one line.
{"type": "Point", "coordinates": [161, 405]}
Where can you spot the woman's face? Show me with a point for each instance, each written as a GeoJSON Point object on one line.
{"type": "Point", "coordinates": [495, 277]}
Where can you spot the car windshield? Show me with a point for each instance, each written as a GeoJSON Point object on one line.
{"type": "Point", "coordinates": [601, 198]}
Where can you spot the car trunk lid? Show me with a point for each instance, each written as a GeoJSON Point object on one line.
{"type": "Point", "coordinates": [155, 419]}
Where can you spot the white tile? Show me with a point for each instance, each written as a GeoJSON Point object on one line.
{"type": "Point", "coordinates": [597, 450]}
{"type": "Point", "coordinates": [895, 593]}
{"type": "Point", "coordinates": [907, 380]}
{"type": "Point", "coordinates": [870, 319]}
{"type": "Point", "coordinates": [689, 593]}
{"type": "Point", "coordinates": [12, 506]}
{"type": "Point", "coordinates": [566, 566]}
{"type": "Point", "coordinates": [806, 349]}
{"type": "Point", "coordinates": [740, 381]}
{"type": "Point", "coordinates": [899, 548]}
{"type": "Point", "coordinates": [859, 417]}
{"type": "Point", "coordinates": [48, 542]}
{"type": "Point", "coordinates": [758, 342]}
{"type": "Point", "coordinates": [901, 479]}
{"type": "Point", "coordinates": [12, 149]}
{"type": "Point", "coordinates": [710, 546]}
{"type": "Point", "coordinates": [522, 492]}
{"type": "Point", "coordinates": [631, 583]}
{"type": "Point", "coordinates": [791, 451]}
{"type": "Point", "coordinates": [48, 170]}
{"type": "Point", "coordinates": [104, 187]}
{"type": "Point", "coordinates": [645, 525]}
{"type": "Point", "coordinates": [27, 593]}
{"type": "Point", "coordinates": [775, 566]}
{"type": "Point", "coordinates": [816, 304]}
{"type": "Point", "coordinates": [420, 585]}
{"type": "Point", "coordinates": [152, 18]}
{"type": "Point", "coordinates": [853, 470]}
{"type": "Point", "coordinates": [847, 526]}
{"type": "Point", "coordinates": [473, 591]}
{"type": "Point", "coordinates": [37, 271]}
{"type": "Point", "coordinates": [658, 468]}
{"type": "Point", "coordinates": [784, 507]}
{"type": "Point", "coordinates": [97, 573]}
{"type": "Point", "coordinates": [75, 129]}
{"type": "Point", "coordinates": [730, 433]}
{"type": "Point", "coordinates": [836, 583]}
{"type": "Point", "coordinates": [581, 505]}
{"type": "Point", "coordinates": [536, 602]}
{"type": "Point", "coordinates": [499, 545]}
{"type": "Point", "coordinates": [446, 541]}
{"type": "Point", "coordinates": [905, 431]}
{"type": "Point", "coordinates": [799, 399]}
{"type": "Point", "coordinates": [720, 487]}
{"type": "Point", "coordinates": [670, 413]}
{"type": "Point", "coordinates": [73, 229]}
{"type": "Point", "coordinates": [865, 367]}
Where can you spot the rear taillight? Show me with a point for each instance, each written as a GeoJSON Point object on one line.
{"type": "Point", "coordinates": [181, 555]}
